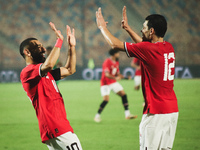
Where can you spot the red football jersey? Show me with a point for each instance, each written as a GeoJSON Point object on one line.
{"type": "Point", "coordinates": [109, 66]}
{"type": "Point", "coordinates": [157, 67]}
{"type": "Point", "coordinates": [137, 62]}
{"type": "Point", "coordinates": [47, 102]}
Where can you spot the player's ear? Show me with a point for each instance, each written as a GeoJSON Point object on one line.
{"type": "Point", "coordinates": [27, 52]}
{"type": "Point", "coordinates": [152, 31]}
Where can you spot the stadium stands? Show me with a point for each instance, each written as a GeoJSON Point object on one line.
{"type": "Point", "coordinates": [21, 19]}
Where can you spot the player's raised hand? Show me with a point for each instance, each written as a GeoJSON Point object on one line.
{"type": "Point", "coordinates": [124, 19]}
{"type": "Point", "coordinates": [57, 32]}
{"type": "Point", "coordinates": [101, 23]}
{"type": "Point", "coordinates": [71, 36]}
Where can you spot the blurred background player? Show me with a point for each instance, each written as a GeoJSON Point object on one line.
{"type": "Point", "coordinates": [38, 80]}
{"type": "Point", "coordinates": [109, 78]}
{"type": "Point", "coordinates": [58, 63]}
{"type": "Point", "coordinates": [137, 78]}
{"type": "Point", "coordinates": [135, 63]}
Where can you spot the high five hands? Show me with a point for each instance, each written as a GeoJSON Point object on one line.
{"type": "Point", "coordinates": [101, 23]}
{"type": "Point", "coordinates": [70, 35]}
{"type": "Point", "coordinates": [124, 22]}
{"type": "Point", "coordinates": [57, 32]}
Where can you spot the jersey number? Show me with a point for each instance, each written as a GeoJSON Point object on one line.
{"type": "Point", "coordinates": [168, 66]}
{"type": "Point", "coordinates": [74, 146]}
{"type": "Point", "coordinates": [114, 71]}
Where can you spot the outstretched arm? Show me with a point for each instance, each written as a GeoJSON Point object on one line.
{"type": "Point", "coordinates": [135, 37]}
{"type": "Point", "coordinates": [70, 66]}
{"type": "Point", "coordinates": [53, 56]}
{"type": "Point", "coordinates": [112, 41]}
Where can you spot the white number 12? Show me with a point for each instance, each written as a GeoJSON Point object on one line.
{"type": "Point", "coordinates": [168, 66]}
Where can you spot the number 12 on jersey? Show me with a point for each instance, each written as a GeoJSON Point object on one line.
{"type": "Point", "coordinates": [168, 66]}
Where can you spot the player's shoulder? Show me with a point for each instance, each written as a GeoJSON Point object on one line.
{"type": "Point", "coordinates": [168, 44]}
{"type": "Point", "coordinates": [165, 43]}
{"type": "Point", "coordinates": [29, 68]}
{"type": "Point", "coordinates": [108, 60]}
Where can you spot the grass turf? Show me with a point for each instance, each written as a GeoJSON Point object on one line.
{"type": "Point", "coordinates": [19, 127]}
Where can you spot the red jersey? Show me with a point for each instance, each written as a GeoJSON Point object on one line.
{"type": "Point", "coordinates": [109, 66]}
{"type": "Point", "coordinates": [157, 67]}
{"type": "Point", "coordinates": [47, 102]}
{"type": "Point", "coordinates": [137, 62]}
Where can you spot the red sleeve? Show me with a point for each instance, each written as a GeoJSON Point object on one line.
{"type": "Point", "coordinates": [31, 73]}
{"type": "Point", "coordinates": [138, 50]}
{"type": "Point", "coordinates": [30, 77]}
{"type": "Point", "coordinates": [106, 66]}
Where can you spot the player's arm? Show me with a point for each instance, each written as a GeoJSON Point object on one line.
{"type": "Point", "coordinates": [114, 42]}
{"type": "Point", "coordinates": [70, 66]}
{"type": "Point", "coordinates": [120, 76]}
{"type": "Point", "coordinates": [135, 65]}
{"type": "Point", "coordinates": [53, 56]}
{"type": "Point", "coordinates": [108, 75]}
{"type": "Point", "coordinates": [135, 37]}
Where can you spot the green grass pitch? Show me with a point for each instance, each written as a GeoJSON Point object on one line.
{"type": "Point", "coordinates": [19, 126]}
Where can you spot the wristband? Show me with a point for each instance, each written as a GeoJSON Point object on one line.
{"type": "Point", "coordinates": [59, 43]}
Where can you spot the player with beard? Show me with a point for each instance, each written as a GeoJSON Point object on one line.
{"type": "Point", "coordinates": [160, 115]}
{"type": "Point", "coordinates": [38, 80]}
{"type": "Point", "coordinates": [109, 78]}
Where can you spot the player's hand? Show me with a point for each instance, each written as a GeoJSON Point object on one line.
{"type": "Point", "coordinates": [57, 32]}
{"type": "Point", "coordinates": [100, 20]}
{"type": "Point", "coordinates": [118, 78]}
{"type": "Point", "coordinates": [129, 77]}
{"type": "Point", "coordinates": [124, 19]}
{"type": "Point", "coordinates": [71, 36]}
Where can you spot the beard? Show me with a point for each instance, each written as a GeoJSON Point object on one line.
{"type": "Point", "coordinates": [38, 57]}
{"type": "Point", "coordinates": [144, 39]}
{"type": "Point", "coordinates": [117, 59]}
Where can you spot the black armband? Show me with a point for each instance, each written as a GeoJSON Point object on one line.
{"type": "Point", "coordinates": [56, 74]}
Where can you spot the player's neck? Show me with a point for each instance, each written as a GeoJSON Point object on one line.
{"type": "Point", "coordinates": [29, 61]}
{"type": "Point", "coordinates": [113, 58]}
{"type": "Point", "coordinates": [157, 39]}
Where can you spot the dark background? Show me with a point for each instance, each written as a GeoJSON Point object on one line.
{"type": "Point", "coordinates": [21, 19]}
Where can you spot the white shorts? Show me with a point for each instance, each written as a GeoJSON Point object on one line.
{"type": "Point", "coordinates": [157, 132]}
{"type": "Point", "coordinates": [67, 141]}
{"type": "Point", "coordinates": [137, 80]}
{"type": "Point", "coordinates": [115, 87]}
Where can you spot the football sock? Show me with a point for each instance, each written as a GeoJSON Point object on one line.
{"type": "Point", "coordinates": [127, 113]}
{"type": "Point", "coordinates": [103, 104]}
{"type": "Point", "coordinates": [125, 102]}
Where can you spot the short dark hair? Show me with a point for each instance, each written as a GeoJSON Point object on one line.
{"type": "Point", "coordinates": [24, 44]}
{"type": "Point", "coordinates": [159, 23]}
{"type": "Point", "coordinates": [113, 51]}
